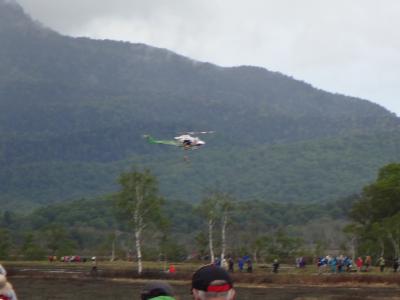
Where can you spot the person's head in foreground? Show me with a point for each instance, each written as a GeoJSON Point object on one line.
{"type": "Point", "coordinates": [212, 283]}
{"type": "Point", "coordinates": [6, 289]}
{"type": "Point", "coordinates": [157, 290]}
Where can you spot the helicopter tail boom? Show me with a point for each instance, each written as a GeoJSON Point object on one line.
{"type": "Point", "coordinates": [152, 140]}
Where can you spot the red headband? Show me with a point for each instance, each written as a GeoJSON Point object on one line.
{"type": "Point", "coordinates": [219, 288]}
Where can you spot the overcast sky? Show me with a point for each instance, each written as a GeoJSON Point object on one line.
{"type": "Point", "coordinates": [350, 47]}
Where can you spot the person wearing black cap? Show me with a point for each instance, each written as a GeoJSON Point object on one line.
{"type": "Point", "coordinates": [212, 283]}
{"type": "Point", "coordinates": [157, 290]}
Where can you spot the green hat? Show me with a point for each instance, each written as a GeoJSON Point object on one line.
{"type": "Point", "coordinates": [157, 290]}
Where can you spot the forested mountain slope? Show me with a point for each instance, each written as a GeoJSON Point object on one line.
{"type": "Point", "coordinates": [73, 110]}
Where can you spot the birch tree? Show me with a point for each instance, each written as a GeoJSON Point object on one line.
{"type": "Point", "coordinates": [226, 205]}
{"type": "Point", "coordinates": [352, 231]}
{"type": "Point", "coordinates": [208, 208]}
{"type": "Point", "coordinates": [138, 202]}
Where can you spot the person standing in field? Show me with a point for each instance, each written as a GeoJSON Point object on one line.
{"type": "Point", "coordinates": [322, 264]}
{"type": "Point", "coordinates": [249, 266]}
{"type": "Point", "coordinates": [172, 269]}
{"type": "Point", "coordinates": [275, 266]}
{"type": "Point", "coordinates": [333, 264]}
{"type": "Point", "coordinates": [359, 263]}
{"type": "Point", "coordinates": [381, 263]}
{"type": "Point", "coordinates": [395, 264]}
{"type": "Point", "coordinates": [224, 264]}
{"type": "Point", "coordinates": [231, 264]}
{"type": "Point", "coordinates": [240, 264]}
{"type": "Point", "coordinates": [367, 263]}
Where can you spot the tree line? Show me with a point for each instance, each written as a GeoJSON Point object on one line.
{"type": "Point", "coordinates": [375, 215]}
{"type": "Point", "coordinates": [137, 223]}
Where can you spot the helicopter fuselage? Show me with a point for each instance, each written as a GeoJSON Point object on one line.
{"type": "Point", "coordinates": [189, 141]}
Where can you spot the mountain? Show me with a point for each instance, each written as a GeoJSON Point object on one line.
{"type": "Point", "coordinates": [73, 110]}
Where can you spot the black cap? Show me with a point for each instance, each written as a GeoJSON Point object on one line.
{"type": "Point", "coordinates": [156, 288]}
{"type": "Point", "coordinates": [203, 277]}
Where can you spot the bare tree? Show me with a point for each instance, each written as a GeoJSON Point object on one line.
{"type": "Point", "coordinates": [216, 207]}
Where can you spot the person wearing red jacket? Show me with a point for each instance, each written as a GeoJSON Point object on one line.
{"type": "Point", "coordinates": [359, 263]}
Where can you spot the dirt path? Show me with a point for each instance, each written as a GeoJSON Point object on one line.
{"type": "Point", "coordinates": [92, 289]}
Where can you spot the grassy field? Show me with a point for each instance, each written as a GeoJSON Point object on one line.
{"type": "Point", "coordinates": [261, 275]}
{"type": "Point", "coordinates": [119, 280]}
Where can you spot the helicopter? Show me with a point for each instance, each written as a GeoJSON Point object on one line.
{"type": "Point", "coordinates": [187, 140]}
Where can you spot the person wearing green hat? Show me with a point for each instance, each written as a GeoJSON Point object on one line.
{"type": "Point", "coordinates": [157, 290]}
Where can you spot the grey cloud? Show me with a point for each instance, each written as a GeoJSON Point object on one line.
{"type": "Point", "coordinates": [351, 47]}
{"type": "Point", "coordinates": [70, 15]}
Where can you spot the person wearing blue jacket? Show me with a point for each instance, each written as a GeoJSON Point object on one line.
{"type": "Point", "coordinates": [241, 264]}
{"type": "Point", "coordinates": [333, 263]}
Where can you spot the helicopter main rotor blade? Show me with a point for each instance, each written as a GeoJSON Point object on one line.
{"type": "Point", "coordinates": [200, 132]}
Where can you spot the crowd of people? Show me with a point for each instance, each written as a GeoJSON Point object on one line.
{"type": "Point", "coordinates": [335, 264]}
{"type": "Point", "coordinates": [341, 263]}
{"type": "Point", "coordinates": [245, 264]}
{"type": "Point", "coordinates": [228, 263]}
{"type": "Point", "coordinates": [214, 282]}
{"type": "Point", "coordinates": [72, 258]}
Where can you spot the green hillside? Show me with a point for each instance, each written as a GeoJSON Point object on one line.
{"type": "Point", "coordinates": [73, 110]}
{"type": "Point", "coordinates": [309, 171]}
